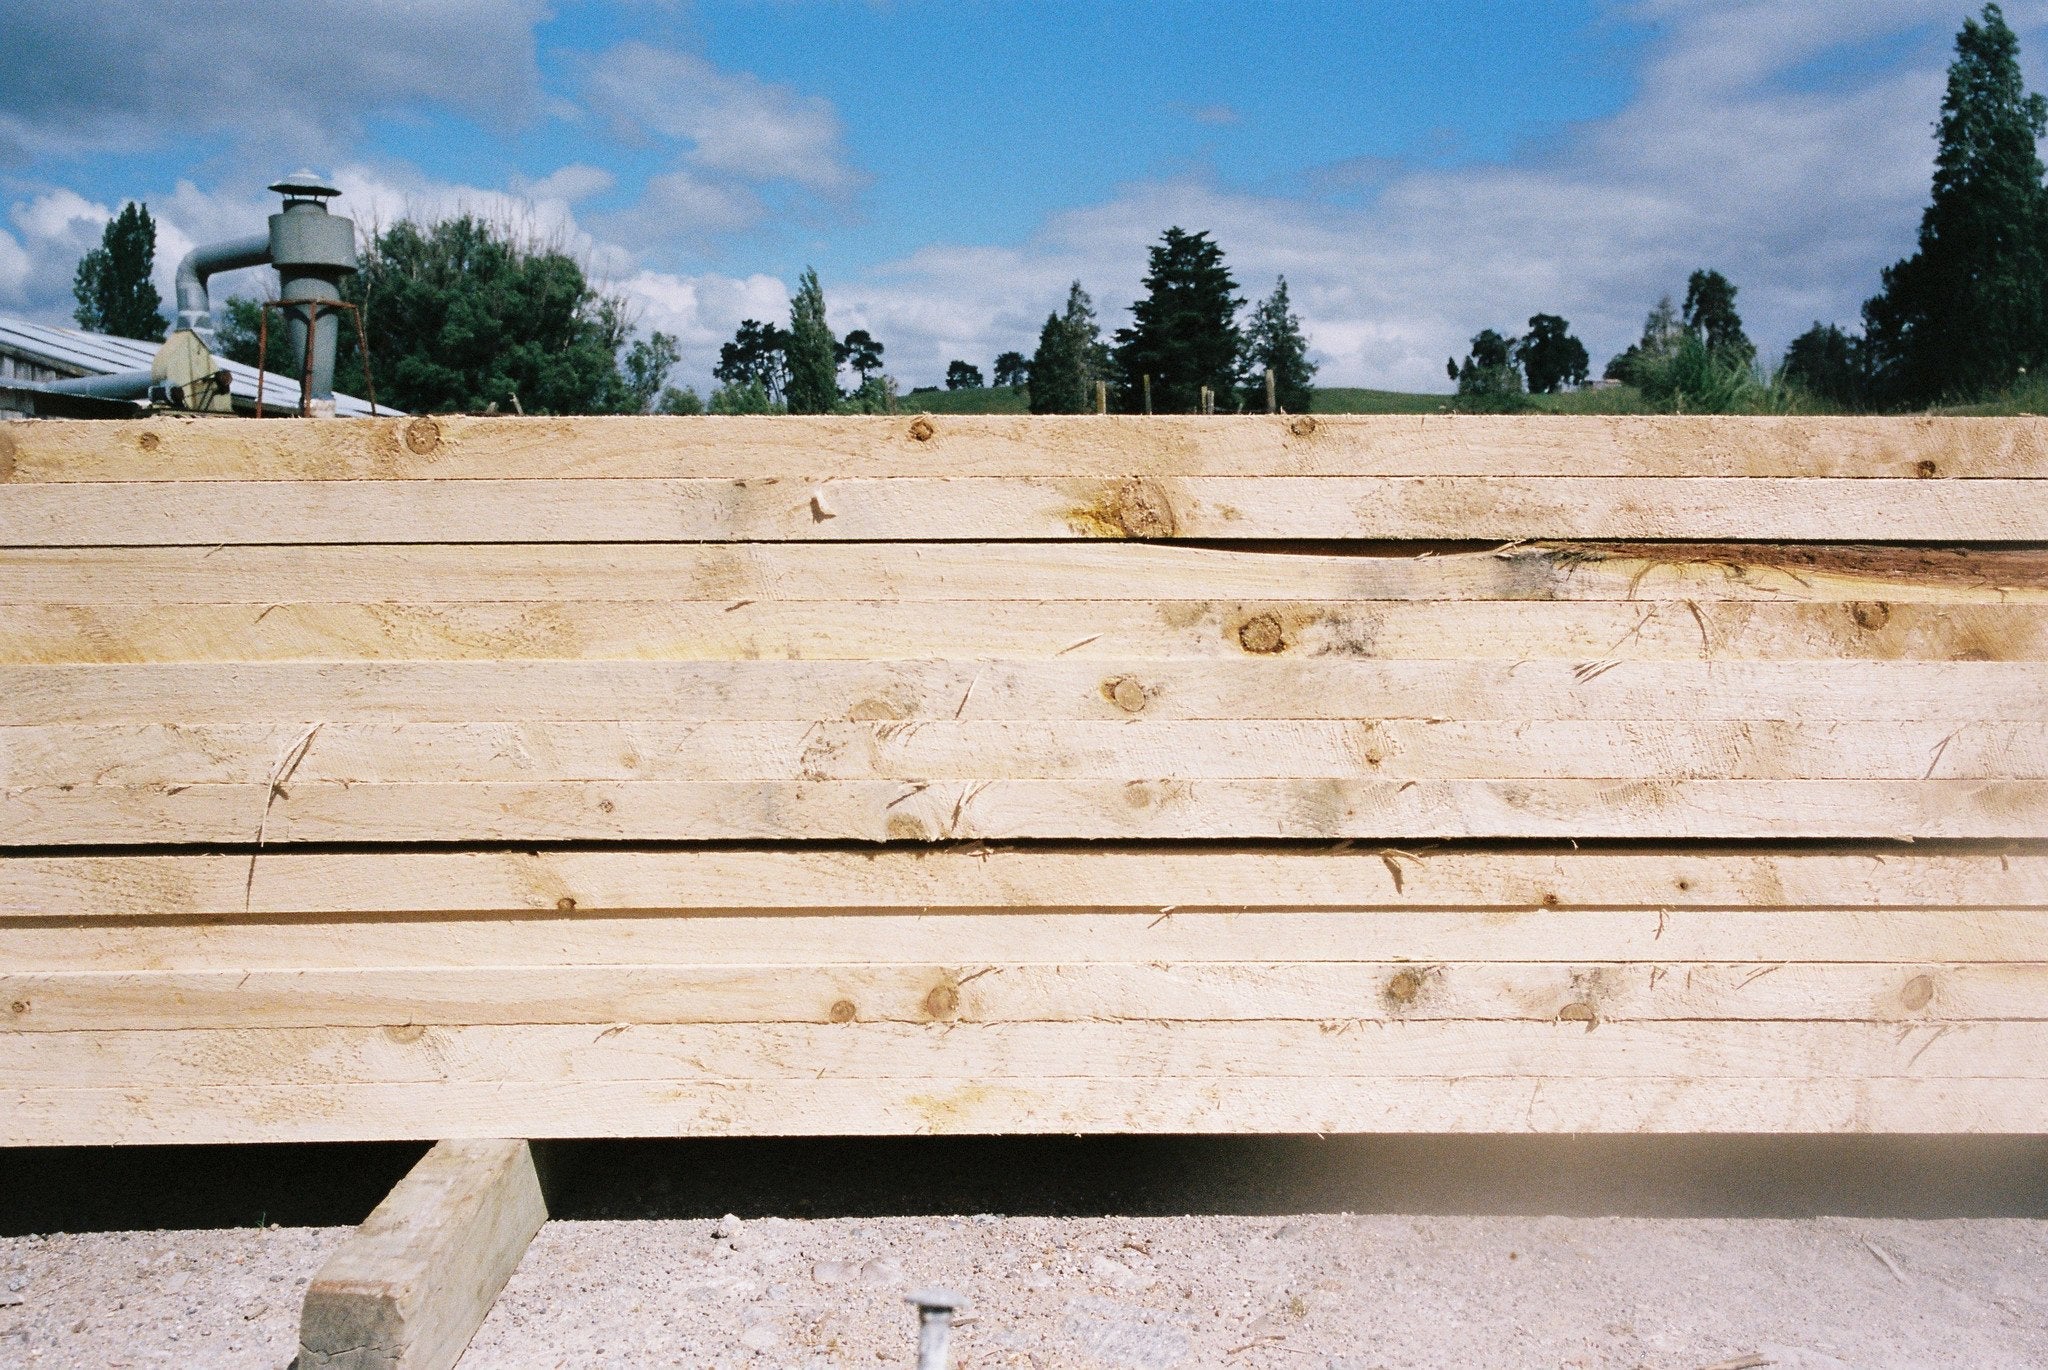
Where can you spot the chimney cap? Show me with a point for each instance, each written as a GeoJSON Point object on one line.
{"type": "Point", "coordinates": [304, 185]}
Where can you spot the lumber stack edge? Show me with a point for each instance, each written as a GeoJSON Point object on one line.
{"type": "Point", "coordinates": [450, 778]}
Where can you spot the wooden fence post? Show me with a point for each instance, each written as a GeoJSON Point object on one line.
{"type": "Point", "coordinates": [1272, 392]}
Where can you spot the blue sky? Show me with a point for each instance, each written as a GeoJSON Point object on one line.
{"type": "Point", "coordinates": [1418, 171]}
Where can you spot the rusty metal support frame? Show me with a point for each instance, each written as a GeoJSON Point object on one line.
{"type": "Point", "coordinates": [313, 310]}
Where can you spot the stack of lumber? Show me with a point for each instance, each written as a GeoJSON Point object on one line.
{"type": "Point", "coordinates": [496, 777]}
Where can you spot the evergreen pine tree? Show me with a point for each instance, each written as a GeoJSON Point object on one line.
{"type": "Point", "coordinates": [1055, 371]}
{"type": "Point", "coordinates": [115, 294]}
{"type": "Point", "coordinates": [1273, 340]}
{"type": "Point", "coordinates": [1070, 358]}
{"type": "Point", "coordinates": [1962, 315]}
{"type": "Point", "coordinates": [1183, 333]}
{"type": "Point", "coordinates": [813, 359]}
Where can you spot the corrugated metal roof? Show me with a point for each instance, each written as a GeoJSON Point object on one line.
{"type": "Point", "coordinates": [96, 354]}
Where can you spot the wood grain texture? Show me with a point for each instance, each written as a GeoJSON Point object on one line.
{"type": "Point", "coordinates": [410, 1287]}
{"type": "Point", "coordinates": [956, 1053]}
{"type": "Point", "coordinates": [1725, 653]}
{"type": "Point", "coordinates": [1333, 993]}
{"type": "Point", "coordinates": [735, 575]}
{"type": "Point", "coordinates": [451, 447]}
{"type": "Point", "coordinates": [1924, 937]}
{"type": "Point", "coordinates": [424, 629]}
{"type": "Point", "coordinates": [974, 508]}
{"type": "Point", "coordinates": [157, 756]}
{"type": "Point", "coordinates": [917, 811]}
{"type": "Point", "coordinates": [1332, 689]}
{"type": "Point", "coordinates": [205, 888]}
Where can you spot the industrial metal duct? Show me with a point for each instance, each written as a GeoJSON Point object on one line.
{"type": "Point", "coordinates": [312, 250]}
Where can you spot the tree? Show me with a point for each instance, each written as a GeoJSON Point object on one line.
{"type": "Point", "coordinates": [1489, 378]}
{"type": "Point", "coordinates": [463, 315]}
{"type": "Point", "coordinates": [647, 365]}
{"type": "Point", "coordinates": [1183, 332]}
{"type": "Point", "coordinates": [1968, 311]}
{"type": "Point", "coordinates": [1273, 341]}
{"type": "Point", "coordinates": [757, 355]}
{"type": "Point", "coordinates": [1828, 363]}
{"type": "Point", "coordinates": [745, 397]}
{"type": "Point", "coordinates": [683, 402]}
{"type": "Point", "coordinates": [1661, 331]}
{"type": "Point", "coordinates": [1710, 316]}
{"type": "Point", "coordinates": [813, 354]}
{"type": "Point", "coordinates": [1012, 369]}
{"type": "Point", "coordinates": [1550, 356]}
{"type": "Point", "coordinates": [1070, 359]}
{"type": "Point", "coordinates": [963, 375]}
{"type": "Point", "coordinates": [113, 286]}
{"type": "Point", "coordinates": [861, 352]}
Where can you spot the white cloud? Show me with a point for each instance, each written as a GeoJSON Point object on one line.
{"type": "Point", "coordinates": [1800, 195]}
{"type": "Point", "coordinates": [568, 184]}
{"type": "Point", "coordinates": [736, 123]}
{"type": "Point", "coordinates": [288, 80]}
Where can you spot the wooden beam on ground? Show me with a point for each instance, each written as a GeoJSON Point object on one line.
{"type": "Point", "coordinates": [411, 1287]}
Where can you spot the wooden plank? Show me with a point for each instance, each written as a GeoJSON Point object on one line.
{"type": "Point", "coordinates": [810, 691]}
{"type": "Point", "coordinates": [947, 1051]}
{"type": "Point", "coordinates": [451, 447]}
{"type": "Point", "coordinates": [1659, 937]}
{"type": "Point", "coordinates": [209, 887]}
{"type": "Point", "coordinates": [327, 1111]}
{"type": "Point", "coordinates": [159, 757]}
{"type": "Point", "coordinates": [915, 811]}
{"type": "Point", "coordinates": [413, 1284]}
{"type": "Point", "coordinates": [1099, 992]}
{"type": "Point", "coordinates": [737, 575]}
{"type": "Point", "coordinates": [613, 630]}
{"type": "Point", "coordinates": [973, 508]}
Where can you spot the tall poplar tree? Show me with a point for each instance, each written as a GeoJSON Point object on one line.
{"type": "Point", "coordinates": [1961, 316]}
{"type": "Point", "coordinates": [812, 352]}
{"type": "Point", "coordinates": [113, 286]}
{"type": "Point", "coordinates": [1184, 332]}
{"type": "Point", "coordinates": [1273, 341]}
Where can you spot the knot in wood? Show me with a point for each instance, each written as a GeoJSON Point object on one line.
{"type": "Point", "coordinates": [18, 1007]}
{"type": "Point", "coordinates": [1302, 427]}
{"type": "Point", "coordinates": [1262, 634]}
{"type": "Point", "coordinates": [567, 904]}
{"type": "Point", "coordinates": [149, 442]}
{"type": "Point", "coordinates": [922, 430]}
{"type": "Point", "coordinates": [1926, 470]}
{"type": "Point", "coordinates": [1870, 614]}
{"type": "Point", "coordinates": [1918, 993]}
{"type": "Point", "coordinates": [1140, 511]}
{"type": "Point", "coordinates": [942, 1002]}
{"type": "Point", "coordinates": [422, 436]}
{"type": "Point", "coordinates": [1404, 988]}
{"type": "Point", "coordinates": [842, 1011]}
{"type": "Point", "coordinates": [1126, 692]}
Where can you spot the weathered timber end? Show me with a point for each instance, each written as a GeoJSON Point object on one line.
{"type": "Point", "coordinates": [474, 778]}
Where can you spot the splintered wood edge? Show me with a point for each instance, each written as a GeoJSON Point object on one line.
{"type": "Point", "coordinates": [414, 1283]}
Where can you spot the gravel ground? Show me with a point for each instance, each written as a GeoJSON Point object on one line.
{"type": "Point", "coordinates": [1326, 1292]}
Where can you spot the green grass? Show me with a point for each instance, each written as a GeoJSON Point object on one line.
{"type": "Point", "coordinates": [2029, 398]}
{"type": "Point", "coordinates": [992, 399]}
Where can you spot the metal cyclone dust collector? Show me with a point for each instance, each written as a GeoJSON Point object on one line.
{"type": "Point", "coordinates": [312, 251]}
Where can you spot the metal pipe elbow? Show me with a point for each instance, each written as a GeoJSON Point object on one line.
{"type": "Point", "coordinates": [195, 310]}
